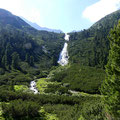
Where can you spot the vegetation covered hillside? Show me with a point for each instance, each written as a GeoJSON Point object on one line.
{"type": "Point", "coordinates": [25, 53]}
{"type": "Point", "coordinates": [88, 51]}
{"type": "Point", "coordinates": [31, 46]}
{"type": "Point", "coordinates": [91, 46]}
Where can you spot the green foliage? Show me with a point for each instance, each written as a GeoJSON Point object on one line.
{"type": "Point", "coordinates": [81, 78]}
{"type": "Point", "coordinates": [15, 60]}
{"type": "Point", "coordinates": [3, 62]}
{"type": "Point", "coordinates": [93, 110]}
{"type": "Point", "coordinates": [20, 88]}
{"type": "Point", "coordinates": [19, 109]}
{"type": "Point", "coordinates": [42, 84]}
{"type": "Point", "coordinates": [88, 110]}
{"type": "Point", "coordinates": [2, 71]}
{"type": "Point", "coordinates": [27, 58]}
{"type": "Point", "coordinates": [32, 46]}
{"type": "Point", "coordinates": [48, 116]}
{"type": "Point", "coordinates": [16, 77]}
{"type": "Point", "coordinates": [52, 88]}
{"type": "Point", "coordinates": [91, 46]}
{"type": "Point", "coordinates": [64, 107]}
{"type": "Point", "coordinates": [31, 61]}
{"type": "Point", "coordinates": [46, 86]}
{"type": "Point", "coordinates": [111, 86]}
{"type": "Point", "coordinates": [7, 95]}
{"type": "Point", "coordinates": [57, 89]}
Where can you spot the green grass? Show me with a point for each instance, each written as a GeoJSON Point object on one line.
{"type": "Point", "coordinates": [21, 87]}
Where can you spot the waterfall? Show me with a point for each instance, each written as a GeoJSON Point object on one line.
{"type": "Point", "coordinates": [63, 60]}
{"type": "Point", "coordinates": [63, 57]}
{"type": "Point", "coordinates": [33, 87]}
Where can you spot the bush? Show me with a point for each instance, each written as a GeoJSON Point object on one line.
{"type": "Point", "coordinates": [2, 71]}
{"type": "Point", "coordinates": [20, 109]}
{"type": "Point", "coordinates": [16, 77]}
{"type": "Point", "coordinates": [81, 78]}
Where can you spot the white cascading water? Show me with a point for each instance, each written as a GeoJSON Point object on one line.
{"type": "Point", "coordinates": [33, 87]}
{"type": "Point", "coordinates": [63, 57]}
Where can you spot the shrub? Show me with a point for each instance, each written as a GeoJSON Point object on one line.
{"type": "Point", "coordinates": [19, 109]}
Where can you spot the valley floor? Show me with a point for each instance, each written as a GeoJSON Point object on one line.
{"type": "Point", "coordinates": [57, 100]}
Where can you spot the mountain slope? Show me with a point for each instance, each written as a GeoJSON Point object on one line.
{"type": "Point", "coordinates": [91, 46]}
{"type": "Point", "coordinates": [36, 26]}
{"type": "Point", "coordinates": [8, 18]}
{"type": "Point", "coordinates": [16, 36]}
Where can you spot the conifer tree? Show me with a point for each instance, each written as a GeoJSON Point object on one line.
{"type": "Point", "coordinates": [6, 60]}
{"type": "Point", "coordinates": [27, 58]}
{"type": "Point", "coordinates": [31, 60]}
{"type": "Point", "coordinates": [3, 61]}
{"type": "Point", "coordinates": [15, 60]}
{"type": "Point", "coordinates": [111, 86]}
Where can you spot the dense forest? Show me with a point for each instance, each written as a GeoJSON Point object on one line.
{"type": "Point", "coordinates": [25, 45]}
{"type": "Point", "coordinates": [91, 47]}
{"type": "Point", "coordinates": [85, 89]}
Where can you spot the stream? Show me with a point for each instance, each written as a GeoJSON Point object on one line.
{"type": "Point", "coordinates": [63, 60]}
{"type": "Point", "coordinates": [33, 87]}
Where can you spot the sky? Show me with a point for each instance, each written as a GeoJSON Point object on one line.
{"type": "Point", "coordinates": [66, 15]}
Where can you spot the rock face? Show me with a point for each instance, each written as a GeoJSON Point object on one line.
{"type": "Point", "coordinates": [63, 58]}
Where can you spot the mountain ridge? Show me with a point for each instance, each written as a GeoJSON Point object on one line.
{"type": "Point", "coordinates": [36, 26]}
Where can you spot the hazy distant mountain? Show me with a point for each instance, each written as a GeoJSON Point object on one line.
{"type": "Point", "coordinates": [36, 26]}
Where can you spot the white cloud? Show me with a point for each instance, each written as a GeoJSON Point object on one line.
{"type": "Point", "coordinates": [12, 5]}
{"type": "Point", "coordinates": [101, 9]}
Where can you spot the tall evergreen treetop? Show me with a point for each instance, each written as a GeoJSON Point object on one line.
{"type": "Point", "coordinates": [111, 86]}
{"type": "Point", "coordinates": [15, 60]}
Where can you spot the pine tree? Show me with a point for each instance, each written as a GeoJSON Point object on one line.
{"type": "Point", "coordinates": [3, 62]}
{"type": "Point", "coordinates": [15, 60]}
{"type": "Point", "coordinates": [0, 60]}
{"type": "Point", "coordinates": [27, 58]}
{"type": "Point", "coordinates": [111, 86]}
{"type": "Point", "coordinates": [8, 52]}
{"type": "Point", "coordinates": [6, 60]}
{"type": "Point", "coordinates": [31, 60]}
